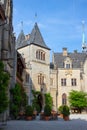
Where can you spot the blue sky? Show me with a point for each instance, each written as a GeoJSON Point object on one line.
{"type": "Point", "coordinates": [60, 21]}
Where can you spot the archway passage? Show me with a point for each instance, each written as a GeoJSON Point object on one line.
{"type": "Point", "coordinates": [40, 101]}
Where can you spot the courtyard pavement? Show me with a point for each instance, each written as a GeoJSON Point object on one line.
{"type": "Point", "coordinates": [77, 122]}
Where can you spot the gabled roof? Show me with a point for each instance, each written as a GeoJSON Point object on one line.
{"type": "Point", "coordinates": [36, 38]}
{"type": "Point", "coordinates": [77, 59]}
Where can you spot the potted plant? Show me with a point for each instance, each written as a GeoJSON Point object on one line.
{"type": "Point", "coordinates": [29, 112]}
{"type": "Point", "coordinates": [47, 112]}
{"type": "Point", "coordinates": [65, 112]}
{"type": "Point", "coordinates": [60, 109]}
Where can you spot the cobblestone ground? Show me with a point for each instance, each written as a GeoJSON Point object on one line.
{"type": "Point", "coordinates": [77, 122]}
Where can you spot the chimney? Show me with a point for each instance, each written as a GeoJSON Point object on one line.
{"type": "Point", "coordinates": [64, 51]}
{"type": "Point", "coordinates": [27, 36]}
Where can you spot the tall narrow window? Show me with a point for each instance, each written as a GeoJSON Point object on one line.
{"type": "Point", "coordinates": [37, 55]}
{"type": "Point", "coordinates": [63, 82]}
{"type": "Point", "coordinates": [40, 79]}
{"type": "Point", "coordinates": [73, 82]}
{"type": "Point", "coordinates": [40, 55]}
{"type": "Point", "coordinates": [27, 78]}
{"type": "Point", "coordinates": [64, 99]}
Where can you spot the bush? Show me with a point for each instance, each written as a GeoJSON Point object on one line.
{"type": "Point", "coordinates": [29, 110]}
{"type": "Point", "coordinates": [60, 109]}
{"type": "Point", "coordinates": [4, 82]}
{"type": "Point", "coordinates": [47, 110]}
{"type": "Point", "coordinates": [14, 111]}
{"type": "Point", "coordinates": [65, 110]}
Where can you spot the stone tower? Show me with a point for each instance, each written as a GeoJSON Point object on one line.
{"type": "Point", "coordinates": [37, 59]}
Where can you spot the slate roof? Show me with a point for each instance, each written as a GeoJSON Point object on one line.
{"type": "Point", "coordinates": [77, 59]}
{"type": "Point", "coordinates": [35, 38]}
{"type": "Point", "coordinates": [21, 40]}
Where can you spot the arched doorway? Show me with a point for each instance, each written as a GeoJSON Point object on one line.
{"type": "Point", "coordinates": [40, 101]}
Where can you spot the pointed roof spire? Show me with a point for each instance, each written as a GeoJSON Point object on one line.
{"type": "Point", "coordinates": [84, 47]}
{"type": "Point", "coordinates": [20, 39]}
{"type": "Point", "coordinates": [35, 17]}
{"type": "Point", "coordinates": [36, 37]}
{"type": "Point", "coordinates": [21, 25]}
{"type": "Point", "coordinates": [21, 42]}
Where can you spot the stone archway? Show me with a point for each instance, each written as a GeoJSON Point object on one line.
{"type": "Point", "coordinates": [40, 101]}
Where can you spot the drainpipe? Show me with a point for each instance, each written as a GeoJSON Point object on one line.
{"type": "Point", "coordinates": [57, 88]}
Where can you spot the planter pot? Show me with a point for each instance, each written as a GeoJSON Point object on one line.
{"type": "Point", "coordinates": [61, 115]}
{"type": "Point", "coordinates": [29, 118]}
{"type": "Point", "coordinates": [47, 118]}
{"type": "Point", "coordinates": [66, 118]}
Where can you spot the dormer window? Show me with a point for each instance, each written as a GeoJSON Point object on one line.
{"type": "Point", "coordinates": [67, 63]}
{"type": "Point", "coordinates": [40, 55]}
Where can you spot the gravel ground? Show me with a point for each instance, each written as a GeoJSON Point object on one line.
{"type": "Point", "coordinates": [77, 122]}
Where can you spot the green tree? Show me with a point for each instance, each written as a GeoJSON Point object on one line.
{"type": "Point", "coordinates": [48, 100]}
{"type": "Point", "coordinates": [78, 99]}
{"type": "Point", "coordinates": [4, 81]}
{"type": "Point", "coordinates": [35, 103]}
{"type": "Point", "coordinates": [19, 100]}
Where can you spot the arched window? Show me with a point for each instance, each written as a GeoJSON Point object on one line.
{"type": "Point", "coordinates": [40, 55]}
{"type": "Point", "coordinates": [64, 99]}
{"type": "Point", "coordinates": [40, 79]}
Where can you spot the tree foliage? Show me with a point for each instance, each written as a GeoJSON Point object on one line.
{"type": "Point", "coordinates": [35, 102]}
{"type": "Point", "coordinates": [78, 99]}
{"type": "Point", "coordinates": [19, 100]}
{"type": "Point", "coordinates": [4, 81]}
{"type": "Point", "coordinates": [48, 100]}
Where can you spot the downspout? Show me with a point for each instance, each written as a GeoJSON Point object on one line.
{"type": "Point", "coordinates": [57, 89]}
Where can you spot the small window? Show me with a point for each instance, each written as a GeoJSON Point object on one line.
{"type": "Point", "coordinates": [73, 82]}
{"type": "Point", "coordinates": [67, 66]}
{"type": "Point", "coordinates": [40, 55]}
{"type": "Point", "coordinates": [40, 79]}
{"type": "Point", "coordinates": [63, 82]}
